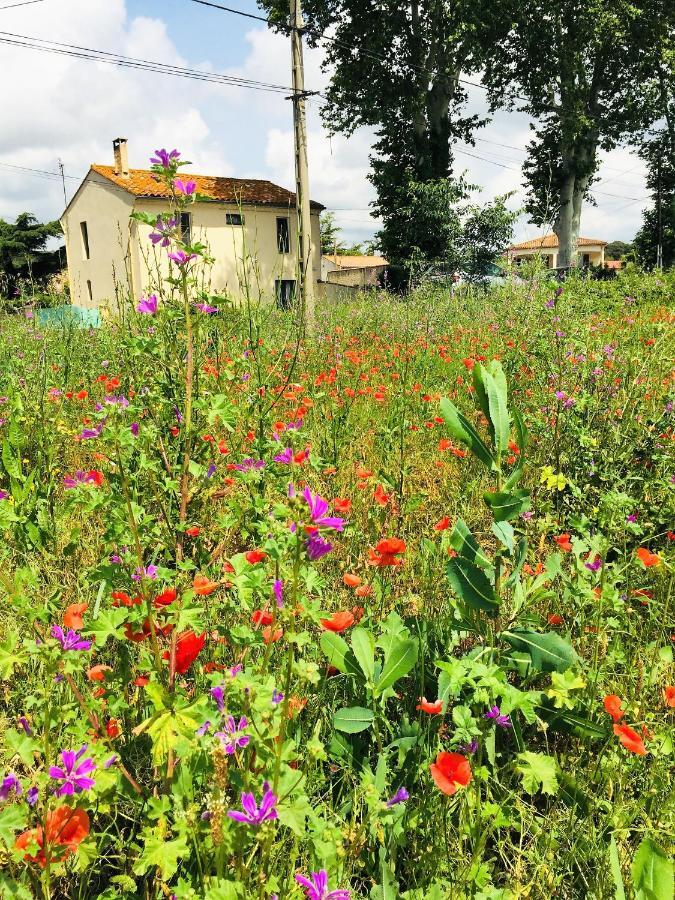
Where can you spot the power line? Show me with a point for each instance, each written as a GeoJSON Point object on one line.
{"type": "Point", "coordinates": [237, 12]}
{"type": "Point", "coordinates": [104, 56]}
{"type": "Point", "coordinates": [23, 3]}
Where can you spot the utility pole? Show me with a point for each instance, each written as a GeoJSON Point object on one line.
{"type": "Point", "coordinates": [63, 182]}
{"type": "Point", "coordinates": [305, 267]}
{"type": "Point", "coordinates": [659, 218]}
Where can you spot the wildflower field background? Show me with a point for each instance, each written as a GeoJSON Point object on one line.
{"type": "Point", "coordinates": [384, 610]}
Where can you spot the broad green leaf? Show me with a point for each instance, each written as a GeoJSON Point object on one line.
{"type": "Point", "coordinates": [615, 868]}
{"type": "Point", "coordinates": [10, 656]}
{"type": "Point", "coordinates": [572, 723]}
{"type": "Point", "coordinates": [462, 430]}
{"type": "Point", "coordinates": [11, 462]}
{"type": "Point", "coordinates": [521, 431]}
{"type": "Point", "coordinates": [503, 531]}
{"type": "Point", "coordinates": [400, 659]}
{"type": "Point", "coordinates": [13, 818]}
{"type": "Point", "coordinates": [353, 719]}
{"type": "Point", "coordinates": [471, 585]}
{"type": "Point", "coordinates": [12, 890]}
{"type": "Point", "coordinates": [468, 547]}
{"type": "Point", "coordinates": [518, 563]}
{"type": "Point", "coordinates": [338, 654]}
{"type": "Point", "coordinates": [505, 505]}
{"type": "Point", "coordinates": [21, 745]}
{"type": "Point", "coordinates": [166, 729]}
{"type": "Point", "coordinates": [652, 872]}
{"type": "Point", "coordinates": [562, 683]}
{"type": "Point", "coordinates": [548, 652]}
{"type": "Point", "coordinates": [538, 772]}
{"type": "Point", "coordinates": [496, 388]}
{"type": "Point", "coordinates": [158, 853]}
{"type": "Point", "coordinates": [363, 646]}
{"type": "Point", "coordinates": [108, 625]}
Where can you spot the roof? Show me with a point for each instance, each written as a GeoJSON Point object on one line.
{"type": "Point", "coordinates": [143, 183]}
{"type": "Point", "coordinates": [551, 240]}
{"type": "Point", "coordinates": [613, 263]}
{"type": "Point", "coordinates": [356, 262]}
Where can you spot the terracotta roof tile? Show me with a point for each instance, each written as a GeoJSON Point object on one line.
{"type": "Point", "coordinates": [142, 183]}
{"type": "Point", "coordinates": [550, 240]}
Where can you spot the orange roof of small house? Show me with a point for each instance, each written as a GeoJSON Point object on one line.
{"type": "Point", "coordinates": [356, 262]}
{"type": "Point", "coordinates": [246, 191]}
{"type": "Point", "coordinates": [550, 240]}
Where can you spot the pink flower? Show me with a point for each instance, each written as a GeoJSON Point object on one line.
{"type": "Point", "coordinates": [185, 187]}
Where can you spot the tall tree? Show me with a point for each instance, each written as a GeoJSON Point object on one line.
{"type": "Point", "coordinates": [22, 250]}
{"type": "Point", "coordinates": [395, 66]}
{"type": "Point", "coordinates": [579, 67]}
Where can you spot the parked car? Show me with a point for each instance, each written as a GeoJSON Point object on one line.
{"type": "Point", "coordinates": [491, 275]}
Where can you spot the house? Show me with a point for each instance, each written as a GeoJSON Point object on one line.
{"type": "Point", "coordinates": [615, 264]}
{"type": "Point", "coordinates": [352, 271]}
{"type": "Point", "coordinates": [239, 219]}
{"type": "Point", "coordinates": [591, 251]}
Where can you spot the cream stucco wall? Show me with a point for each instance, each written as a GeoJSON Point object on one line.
{"type": "Point", "coordinates": [121, 252]}
{"type": "Point", "coordinates": [595, 254]}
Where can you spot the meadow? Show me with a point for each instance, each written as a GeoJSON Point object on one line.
{"type": "Point", "coordinates": [382, 610]}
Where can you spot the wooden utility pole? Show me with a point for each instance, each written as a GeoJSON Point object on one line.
{"type": "Point", "coordinates": [659, 219]}
{"type": "Point", "coordinates": [305, 267]}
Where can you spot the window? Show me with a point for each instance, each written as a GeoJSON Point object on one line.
{"type": "Point", "coordinates": [186, 228]}
{"type": "Point", "coordinates": [85, 239]}
{"type": "Point", "coordinates": [283, 236]}
{"type": "Point", "coordinates": [89, 291]}
{"type": "Point", "coordinates": [285, 291]}
{"type": "Point", "coordinates": [234, 219]}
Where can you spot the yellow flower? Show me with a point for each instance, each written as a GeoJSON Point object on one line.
{"type": "Point", "coordinates": [553, 480]}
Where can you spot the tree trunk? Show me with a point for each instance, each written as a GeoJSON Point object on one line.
{"type": "Point", "coordinates": [568, 220]}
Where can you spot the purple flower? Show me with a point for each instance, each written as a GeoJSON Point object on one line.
{"type": "Point", "coordinates": [181, 258]}
{"type": "Point", "coordinates": [400, 796]}
{"type": "Point", "coordinates": [317, 547]}
{"type": "Point", "coordinates": [133, 428]}
{"type": "Point", "coordinates": [73, 775]}
{"type": "Point", "coordinates": [595, 565]}
{"type": "Point", "coordinates": [252, 814]}
{"type": "Point", "coordinates": [550, 304]}
{"type": "Point", "coordinates": [32, 795]}
{"type": "Point", "coordinates": [632, 518]}
{"type": "Point", "coordinates": [147, 305]}
{"type": "Point", "coordinates": [147, 572]}
{"type": "Point", "coordinates": [90, 433]}
{"type": "Point", "coordinates": [211, 471]}
{"type": "Point", "coordinates": [110, 761]}
{"type": "Point", "coordinates": [316, 887]}
{"type": "Point", "coordinates": [318, 507]}
{"type": "Point", "coordinates": [278, 589]}
{"type": "Point", "coordinates": [201, 731]}
{"type": "Point", "coordinates": [218, 694]}
{"type": "Point", "coordinates": [235, 670]}
{"type": "Point", "coordinates": [10, 785]}
{"type": "Point", "coordinates": [205, 308]}
{"type": "Point", "coordinates": [232, 737]}
{"type": "Point", "coordinates": [250, 465]}
{"type": "Point", "coordinates": [73, 481]}
{"type": "Point", "coordinates": [277, 697]}
{"type": "Point", "coordinates": [185, 187]}
{"type": "Point", "coordinates": [286, 456]}
{"type": "Point", "coordinates": [162, 232]}
{"type": "Point", "coordinates": [23, 722]}
{"type": "Point", "coordinates": [3, 495]}
{"type": "Point", "coordinates": [502, 721]}
{"type": "Point", "coordinates": [70, 640]}
{"type": "Point", "coordinates": [468, 749]}
{"type": "Point", "coordinates": [164, 158]}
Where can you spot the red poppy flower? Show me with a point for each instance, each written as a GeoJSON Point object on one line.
{"type": "Point", "coordinates": [72, 617]}
{"type": "Point", "coordinates": [630, 739]}
{"type": "Point", "coordinates": [450, 772]}
{"type": "Point", "coordinates": [351, 580]}
{"type": "Point", "coordinates": [433, 709]}
{"type": "Point", "coordinates": [204, 586]}
{"type": "Point", "coordinates": [120, 598]}
{"type": "Point", "coordinates": [255, 556]}
{"type": "Point", "coordinates": [142, 681]}
{"type": "Point", "coordinates": [555, 619]}
{"type": "Point", "coordinates": [97, 673]}
{"type": "Point", "coordinates": [261, 617]}
{"type": "Point", "coordinates": [342, 506]}
{"type": "Point", "coordinates": [338, 622]}
{"type": "Point", "coordinates": [112, 728]}
{"type": "Point", "coordinates": [563, 541]}
{"type": "Point", "coordinates": [364, 590]}
{"type": "Point", "coordinates": [188, 647]}
{"type": "Point", "coordinates": [65, 829]}
{"type": "Point", "coordinates": [612, 705]}
{"type": "Point", "coordinates": [387, 552]}
{"type": "Point", "coordinates": [166, 598]}
{"type": "Point", "coordinates": [380, 497]}
{"type": "Point", "coordinates": [647, 558]}
{"type": "Point", "coordinates": [272, 636]}
{"type": "Point", "coordinates": [442, 524]}
{"type": "Point", "coordinates": [669, 696]}
{"type": "Point", "coordinates": [192, 531]}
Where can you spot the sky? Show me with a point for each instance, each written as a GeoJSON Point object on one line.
{"type": "Point", "coordinates": [71, 109]}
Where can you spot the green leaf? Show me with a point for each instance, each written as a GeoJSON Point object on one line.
{"type": "Point", "coordinates": [22, 746]}
{"type": "Point", "coordinates": [572, 723]}
{"type": "Point", "coordinates": [400, 659]}
{"type": "Point", "coordinates": [518, 563]}
{"type": "Point", "coordinates": [562, 683]}
{"type": "Point", "coordinates": [12, 819]}
{"type": "Point", "coordinates": [166, 729]}
{"type": "Point", "coordinates": [338, 654]}
{"type": "Point", "coordinates": [538, 772]}
{"type": "Point", "coordinates": [521, 431]}
{"type": "Point", "coordinates": [652, 872]}
{"type": "Point", "coordinates": [503, 531]}
{"type": "Point", "coordinates": [462, 430]}
{"type": "Point", "coordinates": [468, 547]}
{"type": "Point", "coordinates": [11, 462]}
{"type": "Point", "coordinates": [10, 657]}
{"type": "Point", "coordinates": [505, 505]}
{"type": "Point", "coordinates": [363, 645]}
{"type": "Point", "coordinates": [471, 585]}
{"type": "Point", "coordinates": [615, 868]}
{"type": "Point", "coordinates": [548, 652]}
{"type": "Point", "coordinates": [158, 853]}
{"type": "Point", "coordinates": [108, 625]}
{"type": "Point", "coordinates": [496, 387]}
{"type": "Point", "coordinates": [353, 719]}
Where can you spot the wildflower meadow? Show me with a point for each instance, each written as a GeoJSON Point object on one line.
{"type": "Point", "coordinates": [379, 608]}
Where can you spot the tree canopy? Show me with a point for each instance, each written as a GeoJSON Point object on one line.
{"type": "Point", "coordinates": [22, 250]}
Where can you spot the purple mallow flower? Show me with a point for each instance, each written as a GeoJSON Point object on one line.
{"type": "Point", "coordinates": [147, 572]}
{"type": "Point", "coordinates": [205, 308]}
{"type": "Point", "coordinates": [79, 478]}
{"type": "Point", "coordinates": [10, 785]}
{"type": "Point", "coordinates": [286, 456]}
{"type": "Point", "coordinates": [316, 887]}
{"type": "Point", "coordinates": [218, 694]}
{"type": "Point", "coordinates": [147, 305]}
{"type": "Point", "coordinates": [201, 731]}
{"type": "Point", "coordinates": [252, 814]}
{"type": "Point", "coordinates": [73, 774]}
{"type": "Point", "coordinates": [185, 187]}
{"type": "Point", "coordinates": [400, 796]}
{"type": "Point", "coordinates": [164, 158]}
{"type": "Point", "coordinates": [468, 749]}
{"type": "Point", "coordinates": [232, 738]}
{"type": "Point", "coordinates": [318, 507]}
{"type": "Point", "coordinates": [70, 640]}
{"type": "Point", "coordinates": [32, 795]}
{"type": "Point", "coordinates": [277, 697]}
{"type": "Point", "coordinates": [317, 547]}
{"type": "Point", "coordinates": [250, 465]}
{"type": "Point", "coordinates": [278, 589]}
{"type": "Point", "coordinates": [594, 565]}
{"type": "Point", "coordinates": [181, 258]}
{"type": "Point", "coordinates": [91, 433]}
{"type": "Point", "coordinates": [502, 721]}
{"type": "Point", "coordinates": [162, 232]}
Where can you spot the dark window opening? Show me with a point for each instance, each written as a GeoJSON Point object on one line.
{"type": "Point", "coordinates": [285, 293]}
{"type": "Point", "coordinates": [85, 239]}
{"type": "Point", "coordinates": [90, 292]}
{"type": "Point", "coordinates": [283, 236]}
{"type": "Point", "coordinates": [234, 219]}
{"type": "Point", "coordinates": [186, 228]}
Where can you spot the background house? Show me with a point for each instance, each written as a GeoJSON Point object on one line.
{"type": "Point", "coordinates": [352, 271]}
{"type": "Point", "coordinates": [591, 251]}
{"type": "Point", "coordinates": [246, 223]}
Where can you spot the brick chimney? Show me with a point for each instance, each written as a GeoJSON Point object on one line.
{"type": "Point", "coordinates": [121, 157]}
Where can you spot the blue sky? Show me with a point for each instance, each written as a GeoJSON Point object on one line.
{"type": "Point", "coordinates": [72, 109]}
